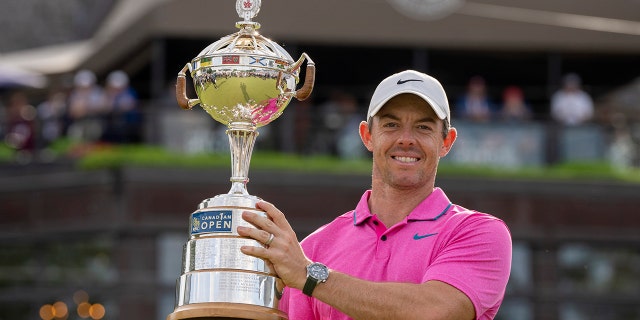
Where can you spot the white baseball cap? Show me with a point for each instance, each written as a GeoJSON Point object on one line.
{"type": "Point", "coordinates": [410, 81]}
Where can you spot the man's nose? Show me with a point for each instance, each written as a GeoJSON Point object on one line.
{"type": "Point", "coordinates": [407, 137]}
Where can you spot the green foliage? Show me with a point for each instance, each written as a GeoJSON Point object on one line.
{"type": "Point", "coordinates": [6, 152]}
{"type": "Point", "coordinates": [114, 156]}
{"type": "Point", "coordinates": [61, 146]}
{"type": "Point", "coordinates": [148, 156]}
{"type": "Point", "coordinates": [564, 171]}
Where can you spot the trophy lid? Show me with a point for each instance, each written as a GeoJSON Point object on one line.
{"type": "Point", "coordinates": [247, 40]}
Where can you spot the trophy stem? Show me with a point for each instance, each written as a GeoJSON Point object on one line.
{"type": "Point", "coordinates": [242, 137]}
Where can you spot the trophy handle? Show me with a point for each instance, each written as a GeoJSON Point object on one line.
{"type": "Point", "coordinates": [309, 79]}
{"type": "Point", "coordinates": [181, 90]}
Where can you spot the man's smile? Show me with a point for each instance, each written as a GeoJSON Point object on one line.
{"type": "Point", "coordinates": [405, 159]}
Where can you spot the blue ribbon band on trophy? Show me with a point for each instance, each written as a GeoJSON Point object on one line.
{"type": "Point", "coordinates": [211, 221]}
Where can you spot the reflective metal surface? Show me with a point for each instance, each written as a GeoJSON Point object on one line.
{"type": "Point", "coordinates": [251, 94]}
{"type": "Point", "coordinates": [227, 286]}
{"type": "Point", "coordinates": [243, 81]}
{"type": "Point", "coordinates": [245, 77]}
{"type": "Point", "coordinates": [221, 253]}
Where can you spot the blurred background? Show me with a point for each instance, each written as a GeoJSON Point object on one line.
{"type": "Point", "coordinates": [100, 169]}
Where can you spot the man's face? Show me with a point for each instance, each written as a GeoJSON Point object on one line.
{"type": "Point", "coordinates": [406, 141]}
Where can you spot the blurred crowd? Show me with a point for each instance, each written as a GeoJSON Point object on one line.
{"type": "Point", "coordinates": [570, 105]}
{"type": "Point", "coordinates": [92, 112]}
{"type": "Point", "coordinates": [338, 116]}
{"type": "Point", "coordinates": [87, 112]}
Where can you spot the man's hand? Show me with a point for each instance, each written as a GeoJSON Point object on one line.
{"type": "Point", "coordinates": [283, 252]}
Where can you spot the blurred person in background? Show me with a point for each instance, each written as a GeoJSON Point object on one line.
{"type": "Point", "coordinates": [622, 150]}
{"type": "Point", "coordinates": [86, 108]}
{"type": "Point", "coordinates": [20, 133]}
{"type": "Point", "coordinates": [51, 113]}
{"type": "Point", "coordinates": [123, 119]}
{"type": "Point", "coordinates": [334, 115]}
{"type": "Point", "coordinates": [514, 106]}
{"type": "Point", "coordinates": [348, 144]}
{"type": "Point", "coordinates": [294, 127]}
{"type": "Point", "coordinates": [475, 104]}
{"type": "Point", "coordinates": [571, 105]}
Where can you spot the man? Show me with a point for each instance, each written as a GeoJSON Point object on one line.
{"type": "Point", "coordinates": [571, 105]}
{"type": "Point", "coordinates": [405, 252]}
{"type": "Point", "coordinates": [475, 105]}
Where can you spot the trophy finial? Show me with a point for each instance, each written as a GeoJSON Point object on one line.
{"type": "Point", "coordinates": [247, 9]}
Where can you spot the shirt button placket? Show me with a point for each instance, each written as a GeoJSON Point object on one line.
{"type": "Point", "coordinates": [382, 245]}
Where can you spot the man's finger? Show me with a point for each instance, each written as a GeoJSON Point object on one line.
{"type": "Point", "coordinates": [275, 214]}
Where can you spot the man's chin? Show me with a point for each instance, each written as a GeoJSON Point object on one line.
{"type": "Point", "coordinates": [404, 183]}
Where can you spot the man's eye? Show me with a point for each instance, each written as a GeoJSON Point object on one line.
{"type": "Point", "coordinates": [390, 125]}
{"type": "Point", "coordinates": [424, 127]}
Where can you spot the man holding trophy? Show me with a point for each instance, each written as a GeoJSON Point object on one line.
{"type": "Point", "coordinates": [406, 251]}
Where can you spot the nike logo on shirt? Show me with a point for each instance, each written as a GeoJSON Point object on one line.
{"type": "Point", "coordinates": [418, 237]}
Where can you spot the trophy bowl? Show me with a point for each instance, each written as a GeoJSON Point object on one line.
{"type": "Point", "coordinates": [245, 78]}
{"type": "Point", "coordinates": [243, 81]}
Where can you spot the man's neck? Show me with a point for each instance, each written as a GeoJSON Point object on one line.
{"type": "Point", "coordinates": [392, 205]}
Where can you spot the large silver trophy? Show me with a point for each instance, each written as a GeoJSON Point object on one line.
{"type": "Point", "coordinates": [243, 81]}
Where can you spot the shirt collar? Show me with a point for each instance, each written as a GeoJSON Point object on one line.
{"type": "Point", "coordinates": [362, 212]}
{"type": "Point", "coordinates": [430, 209]}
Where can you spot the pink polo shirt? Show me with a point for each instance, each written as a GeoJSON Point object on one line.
{"type": "Point", "coordinates": [437, 241]}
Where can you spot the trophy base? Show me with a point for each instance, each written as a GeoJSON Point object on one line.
{"type": "Point", "coordinates": [225, 310]}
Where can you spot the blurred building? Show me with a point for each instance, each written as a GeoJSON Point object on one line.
{"type": "Point", "coordinates": [354, 44]}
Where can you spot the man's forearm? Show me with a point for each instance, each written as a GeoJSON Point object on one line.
{"type": "Point", "coordinates": [361, 299]}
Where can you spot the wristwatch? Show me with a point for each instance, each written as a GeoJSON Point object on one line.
{"type": "Point", "coordinates": [316, 273]}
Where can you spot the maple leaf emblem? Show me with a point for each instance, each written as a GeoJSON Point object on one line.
{"type": "Point", "coordinates": [248, 4]}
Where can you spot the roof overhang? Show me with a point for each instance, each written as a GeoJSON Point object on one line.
{"type": "Point", "coordinates": [544, 25]}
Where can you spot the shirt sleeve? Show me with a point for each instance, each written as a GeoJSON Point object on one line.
{"type": "Point", "coordinates": [475, 259]}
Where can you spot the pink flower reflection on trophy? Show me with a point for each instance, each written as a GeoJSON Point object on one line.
{"type": "Point", "coordinates": [264, 115]}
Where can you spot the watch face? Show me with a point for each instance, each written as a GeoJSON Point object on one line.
{"type": "Point", "coordinates": [318, 271]}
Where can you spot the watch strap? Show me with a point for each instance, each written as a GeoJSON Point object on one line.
{"type": "Point", "coordinates": [309, 286]}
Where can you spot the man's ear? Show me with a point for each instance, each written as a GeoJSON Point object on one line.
{"type": "Point", "coordinates": [448, 142]}
{"type": "Point", "coordinates": [365, 135]}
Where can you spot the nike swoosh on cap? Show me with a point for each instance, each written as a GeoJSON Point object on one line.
{"type": "Point", "coordinates": [409, 80]}
{"type": "Point", "coordinates": [418, 237]}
